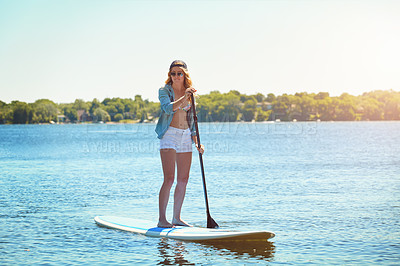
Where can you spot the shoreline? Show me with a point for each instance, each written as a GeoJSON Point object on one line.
{"type": "Point", "coordinates": [236, 122]}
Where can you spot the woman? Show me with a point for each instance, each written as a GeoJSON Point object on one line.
{"type": "Point", "coordinates": [176, 130]}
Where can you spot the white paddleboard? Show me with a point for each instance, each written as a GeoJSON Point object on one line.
{"type": "Point", "coordinates": [147, 228]}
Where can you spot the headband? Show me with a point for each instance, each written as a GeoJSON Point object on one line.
{"type": "Point", "coordinates": [178, 63]}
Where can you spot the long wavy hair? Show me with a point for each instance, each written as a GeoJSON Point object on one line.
{"type": "Point", "coordinates": [187, 82]}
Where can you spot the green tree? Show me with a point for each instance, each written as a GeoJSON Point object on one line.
{"type": "Point", "coordinates": [22, 112]}
{"type": "Point", "coordinates": [80, 104]}
{"type": "Point", "coordinates": [230, 110]}
{"type": "Point", "coordinates": [94, 105]}
{"type": "Point", "coordinates": [305, 107]}
{"type": "Point", "coordinates": [101, 115]}
{"type": "Point", "coordinates": [249, 110]}
{"type": "Point", "coordinates": [392, 108]}
{"type": "Point", "coordinates": [325, 109]}
{"type": "Point", "coordinates": [271, 98]}
{"type": "Point", "coordinates": [345, 108]}
{"type": "Point", "coordinates": [70, 112]}
{"type": "Point", "coordinates": [234, 92]}
{"type": "Point", "coordinates": [244, 98]}
{"type": "Point", "coordinates": [262, 115]}
{"type": "Point", "coordinates": [6, 113]}
{"type": "Point", "coordinates": [371, 109]}
{"type": "Point", "coordinates": [281, 109]}
{"type": "Point", "coordinates": [118, 117]}
{"type": "Point", "coordinates": [44, 111]}
{"type": "Point", "coordinates": [259, 97]}
{"type": "Point", "coordinates": [111, 110]}
{"type": "Point", "coordinates": [321, 95]}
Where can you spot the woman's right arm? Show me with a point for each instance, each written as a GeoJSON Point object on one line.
{"type": "Point", "coordinates": [170, 107]}
{"type": "Point", "coordinates": [178, 103]}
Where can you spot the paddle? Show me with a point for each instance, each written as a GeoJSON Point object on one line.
{"type": "Point", "coordinates": [210, 221]}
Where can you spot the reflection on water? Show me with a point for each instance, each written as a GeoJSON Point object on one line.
{"type": "Point", "coordinates": [173, 251]}
{"type": "Point", "coordinates": [255, 249]}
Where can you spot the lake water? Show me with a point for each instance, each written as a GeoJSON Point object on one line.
{"type": "Point", "coordinates": [329, 191]}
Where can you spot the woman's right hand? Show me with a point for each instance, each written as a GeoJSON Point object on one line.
{"type": "Point", "coordinates": [189, 92]}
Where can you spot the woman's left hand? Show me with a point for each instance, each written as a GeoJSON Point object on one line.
{"type": "Point", "coordinates": [201, 149]}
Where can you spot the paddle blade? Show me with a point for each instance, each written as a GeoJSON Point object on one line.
{"type": "Point", "coordinates": [211, 223]}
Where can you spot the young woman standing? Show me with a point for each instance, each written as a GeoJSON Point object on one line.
{"type": "Point", "coordinates": [176, 132]}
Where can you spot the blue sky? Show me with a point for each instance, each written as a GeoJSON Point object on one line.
{"type": "Point", "coordinates": [64, 50]}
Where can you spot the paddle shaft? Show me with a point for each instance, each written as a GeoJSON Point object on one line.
{"type": "Point", "coordinates": [210, 221]}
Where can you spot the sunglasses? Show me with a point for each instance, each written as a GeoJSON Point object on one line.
{"type": "Point", "coordinates": [179, 74]}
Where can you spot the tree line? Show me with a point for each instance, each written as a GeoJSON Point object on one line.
{"type": "Point", "coordinates": [46, 111]}
{"type": "Point", "coordinates": [234, 106]}
{"type": "Point", "coordinates": [214, 107]}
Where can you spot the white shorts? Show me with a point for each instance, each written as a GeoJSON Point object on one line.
{"type": "Point", "coordinates": [178, 139]}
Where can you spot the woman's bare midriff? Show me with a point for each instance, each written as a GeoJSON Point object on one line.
{"type": "Point", "coordinates": [179, 120]}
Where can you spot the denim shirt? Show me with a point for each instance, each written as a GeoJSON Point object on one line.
{"type": "Point", "coordinates": [166, 96]}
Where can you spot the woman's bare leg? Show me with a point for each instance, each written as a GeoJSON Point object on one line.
{"type": "Point", "coordinates": [183, 163]}
{"type": "Point", "coordinates": [168, 158]}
